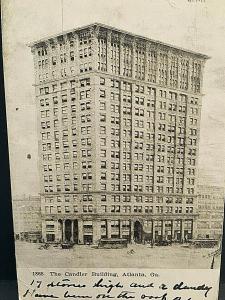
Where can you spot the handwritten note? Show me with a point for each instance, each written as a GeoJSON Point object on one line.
{"type": "Point", "coordinates": [118, 284]}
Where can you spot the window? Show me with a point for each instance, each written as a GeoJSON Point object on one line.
{"type": "Point", "coordinates": [102, 105]}
{"type": "Point", "coordinates": [103, 164]}
{"type": "Point", "coordinates": [103, 208]}
{"type": "Point", "coordinates": [103, 198]}
{"type": "Point", "coordinates": [72, 55]}
{"type": "Point", "coordinates": [102, 81]}
{"type": "Point", "coordinates": [102, 93]}
{"type": "Point", "coordinates": [67, 209]}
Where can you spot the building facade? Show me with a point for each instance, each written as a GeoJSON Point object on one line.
{"type": "Point", "coordinates": [119, 119]}
{"type": "Point", "coordinates": [211, 210]}
{"type": "Point", "coordinates": [27, 218]}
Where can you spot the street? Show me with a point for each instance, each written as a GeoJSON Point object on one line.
{"type": "Point", "coordinates": [135, 256]}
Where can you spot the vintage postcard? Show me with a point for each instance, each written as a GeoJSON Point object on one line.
{"type": "Point", "coordinates": [116, 125]}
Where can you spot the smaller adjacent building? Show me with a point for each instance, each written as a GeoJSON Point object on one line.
{"type": "Point", "coordinates": [27, 218]}
{"type": "Point", "coordinates": [211, 210]}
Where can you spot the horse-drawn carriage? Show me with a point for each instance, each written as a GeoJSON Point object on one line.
{"type": "Point", "coordinates": [204, 243]}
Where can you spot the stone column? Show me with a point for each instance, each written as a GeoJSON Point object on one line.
{"type": "Point", "coordinates": [172, 230]}
{"type": "Point", "coordinates": [179, 70]}
{"type": "Point", "coordinates": [133, 57]}
{"type": "Point", "coordinates": [131, 231]}
{"type": "Point", "coordinates": [80, 232]}
{"type": "Point", "coordinates": [72, 231]}
{"type": "Point", "coordinates": [163, 229]}
{"type": "Point", "coordinates": [202, 62]}
{"type": "Point", "coordinates": [121, 54]}
{"type": "Point", "coordinates": [169, 61]}
{"type": "Point", "coordinates": [63, 231]}
{"type": "Point", "coordinates": [96, 231]}
{"type": "Point", "coordinates": [121, 229]}
{"type": "Point", "coordinates": [153, 230]}
{"type": "Point", "coordinates": [108, 229]}
{"type": "Point", "coordinates": [58, 231]}
{"type": "Point", "coordinates": [146, 47]}
{"type": "Point", "coordinates": [194, 229]}
{"type": "Point", "coordinates": [95, 59]}
{"type": "Point", "coordinates": [43, 229]}
{"type": "Point", "coordinates": [108, 53]}
{"type": "Point", "coordinates": [190, 74]}
{"type": "Point", "coordinates": [182, 230]}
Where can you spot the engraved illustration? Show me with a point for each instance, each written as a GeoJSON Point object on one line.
{"type": "Point", "coordinates": [118, 139]}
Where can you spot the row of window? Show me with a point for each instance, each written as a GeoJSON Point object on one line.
{"type": "Point", "coordinates": [126, 156]}
{"type": "Point", "coordinates": [118, 209]}
{"type": "Point", "coordinates": [126, 224]}
{"type": "Point", "coordinates": [139, 69]}
{"type": "Point", "coordinates": [158, 188]}
{"type": "Point", "coordinates": [122, 85]}
{"type": "Point", "coordinates": [125, 177]}
{"type": "Point", "coordinates": [118, 198]}
{"type": "Point", "coordinates": [87, 164]}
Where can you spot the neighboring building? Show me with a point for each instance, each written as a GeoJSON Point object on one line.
{"type": "Point", "coordinates": [119, 119]}
{"type": "Point", "coordinates": [27, 218]}
{"type": "Point", "coordinates": [211, 210]}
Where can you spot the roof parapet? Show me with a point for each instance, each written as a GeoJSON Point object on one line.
{"type": "Point", "coordinates": [48, 38]}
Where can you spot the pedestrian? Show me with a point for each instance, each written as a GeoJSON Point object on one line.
{"type": "Point", "coordinates": [152, 243]}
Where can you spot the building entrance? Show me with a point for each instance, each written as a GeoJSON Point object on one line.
{"type": "Point", "coordinates": [68, 230]}
{"type": "Point", "coordinates": [138, 232]}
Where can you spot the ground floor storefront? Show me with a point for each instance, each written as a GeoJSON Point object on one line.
{"type": "Point", "coordinates": [135, 230]}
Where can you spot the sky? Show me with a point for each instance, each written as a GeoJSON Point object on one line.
{"type": "Point", "coordinates": [198, 26]}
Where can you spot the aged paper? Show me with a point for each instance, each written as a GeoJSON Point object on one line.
{"type": "Point", "coordinates": [116, 130]}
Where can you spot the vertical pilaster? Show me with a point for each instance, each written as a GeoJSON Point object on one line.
{"type": "Point", "coordinates": [96, 231]}
{"type": "Point", "coordinates": [108, 52]}
{"type": "Point", "coordinates": [58, 235]}
{"type": "Point", "coordinates": [43, 229]}
{"type": "Point", "coordinates": [153, 230]}
{"type": "Point", "coordinates": [121, 229]}
{"type": "Point", "coordinates": [133, 58]}
{"type": "Point", "coordinates": [76, 53]}
{"type": "Point", "coordinates": [147, 64]}
{"type": "Point", "coordinates": [190, 87]}
{"type": "Point", "coordinates": [182, 230]}
{"type": "Point", "coordinates": [95, 60]}
{"type": "Point", "coordinates": [108, 224]}
{"type": "Point", "coordinates": [80, 232]}
{"type": "Point", "coordinates": [131, 231]}
{"type": "Point", "coordinates": [146, 45]}
{"type": "Point", "coordinates": [201, 74]}
{"type": "Point", "coordinates": [179, 71]}
{"type": "Point", "coordinates": [72, 231]}
{"type": "Point", "coordinates": [122, 55]}
{"type": "Point", "coordinates": [108, 135]}
{"type": "Point", "coordinates": [63, 231]}
{"type": "Point", "coordinates": [172, 230]}
{"type": "Point", "coordinates": [194, 229]}
{"type": "Point", "coordinates": [163, 229]}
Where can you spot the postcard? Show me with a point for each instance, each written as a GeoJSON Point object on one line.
{"type": "Point", "coordinates": [115, 115]}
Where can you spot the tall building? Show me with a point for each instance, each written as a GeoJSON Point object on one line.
{"type": "Point", "coordinates": [211, 210]}
{"type": "Point", "coordinates": [119, 118]}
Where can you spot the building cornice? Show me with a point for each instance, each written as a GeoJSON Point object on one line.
{"type": "Point", "coordinates": [167, 46]}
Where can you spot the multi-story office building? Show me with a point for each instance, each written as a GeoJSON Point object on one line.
{"type": "Point", "coordinates": [210, 209]}
{"type": "Point", "coordinates": [27, 218]}
{"type": "Point", "coordinates": [119, 118]}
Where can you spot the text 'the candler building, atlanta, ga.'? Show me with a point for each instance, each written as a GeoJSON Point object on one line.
{"type": "Point", "coordinates": [118, 125]}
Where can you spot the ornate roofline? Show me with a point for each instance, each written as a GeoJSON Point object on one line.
{"type": "Point", "coordinates": [123, 32]}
